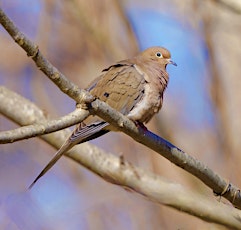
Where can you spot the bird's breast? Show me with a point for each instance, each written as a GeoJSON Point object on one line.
{"type": "Point", "coordinates": [148, 106]}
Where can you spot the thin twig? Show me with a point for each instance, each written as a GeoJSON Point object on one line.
{"type": "Point", "coordinates": [39, 128]}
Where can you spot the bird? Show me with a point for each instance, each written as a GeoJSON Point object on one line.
{"type": "Point", "coordinates": [134, 87]}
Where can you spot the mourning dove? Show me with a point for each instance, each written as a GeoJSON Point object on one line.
{"type": "Point", "coordinates": [133, 87]}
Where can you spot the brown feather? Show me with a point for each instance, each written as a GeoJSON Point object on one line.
{"type": "Point", "coordinates": [133, 87]}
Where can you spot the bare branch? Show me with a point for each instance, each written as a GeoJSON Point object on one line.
{"type": "Point", "coordinates": [8, 100]}
{"type": "Point", "coordinates": [42, 63]}
{"type": "Point", "coordinates": [233, 5]}
{"type": "Point", "coordinates": [118, 171]}
{"type": "Point", "coordinates": [219, 185]}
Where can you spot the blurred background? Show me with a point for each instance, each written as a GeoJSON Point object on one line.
{"type": "Point", "coordinates": [200, 115]}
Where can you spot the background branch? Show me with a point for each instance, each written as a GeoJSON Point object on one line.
{"type": "Point", "coordinates": [232, 5]}
{"type": "Point", "coordinates": [118, 171]}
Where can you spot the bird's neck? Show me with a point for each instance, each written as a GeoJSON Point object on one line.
{"type": "Point", "coordinates": [156, 72]}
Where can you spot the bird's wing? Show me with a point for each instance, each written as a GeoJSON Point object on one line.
{"type": "Point", "coordinates": [121, 86]}
{"type": "Point", "coordinates": [83, 132]}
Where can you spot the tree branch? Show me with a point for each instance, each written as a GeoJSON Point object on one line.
{"type": "Point", "coordinates": [11, 100]}
{"type": "Point", "coordinates": [118, 171]}
{"type": "Point", "coordinates": [232, 5]}
{"type": "Point", "coordinates": [42, 63]}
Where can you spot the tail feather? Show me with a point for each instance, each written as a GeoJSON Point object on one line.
{"type": "Point", "coordinates": [81, 134]}
{"type": "Point", "coordinates": [65, 147]}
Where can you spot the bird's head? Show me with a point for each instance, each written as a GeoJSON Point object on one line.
{"type": "Point", "coordinates": [158, 55]}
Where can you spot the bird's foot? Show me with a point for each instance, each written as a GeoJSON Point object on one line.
{"type": "Point", "coordinates": [140, 125]}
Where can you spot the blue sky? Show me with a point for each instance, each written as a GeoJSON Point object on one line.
{"type": "Point", "coordinates": [189, 79]}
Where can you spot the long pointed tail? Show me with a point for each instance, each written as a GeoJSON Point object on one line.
{"type": "Point", "coordinates": [64, 148]}
{"type": "Point", "coordinates": [81, 134]}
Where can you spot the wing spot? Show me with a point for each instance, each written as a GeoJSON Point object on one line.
{"type": "Point", "coordinates": [106, 94]}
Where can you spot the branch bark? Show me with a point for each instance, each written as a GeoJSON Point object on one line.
{"type": "Point", "coordinates": [41, 62]}
{"type": "Point", "coordinates": [10, 100]}
{"type": "Point", "coordinates": [232, 5]}
{"type": "Point", "coordinates": [118, 171]}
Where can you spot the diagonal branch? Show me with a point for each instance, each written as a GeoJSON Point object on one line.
{"type": "Point", "coordinates": [117, 171]}
{"type": "Point", "coordinates": [219, 185]}
{"type": "Point", "coordinates": [41, 62]}
{"type": "Point", "coordinates": [233, 6]}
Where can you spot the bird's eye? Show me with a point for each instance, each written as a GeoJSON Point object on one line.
{"type": "Point", "coordinates": [158, 54]}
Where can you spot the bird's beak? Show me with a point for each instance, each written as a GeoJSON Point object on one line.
{"type": "Point", "coordinates": [172, 62]}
